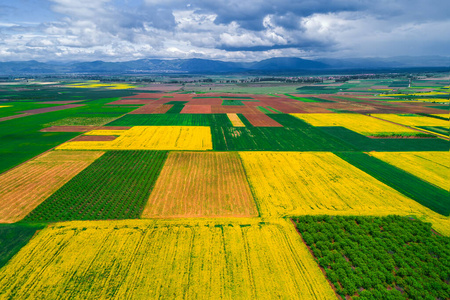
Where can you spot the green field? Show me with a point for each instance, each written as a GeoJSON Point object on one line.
{"type": "Point", "coordinates": [162, 120]}
{"type": "Point", "coordinates": [13, 237]}
{"type": "Point", "coordinates": [379, 258]}
{"type": "Point", "coordinates": [116, 186]}
{"type": "Point", "coordinates": [421, 191]}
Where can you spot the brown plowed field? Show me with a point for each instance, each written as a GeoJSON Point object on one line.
{"type": "Point", "coordinates": [152, 109]}
{"type": "Point", "coordinates": [262, 120]}
{"type": "Point", "coordinates": [210, 101]}
{"type": "Point", "coordinates": [196, 109]}
{"type": "Point", "coordinates": [94, 138]}
{"type": "Point", "coordinates": [13, 117]}
{"type": "Point", "coordinates": [25, 187]}
{"type": "Point", "coordinates": [229, 109]}
{"type": "Point", "coordinates": [68, 128]}
{"type": "Point", "coordinates": [201, 184]}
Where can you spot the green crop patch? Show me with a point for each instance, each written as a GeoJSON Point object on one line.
{"type": "Point", "coordinates": [235, 97]}
{"type": "Point", "coordinates": [162, 120]}
{"type": "Point", "coordinates": [379, 258]}
{"type": "Point", "coordinates": [295, 136]}
{"type": "Point", "coordinates": [13, 237]}
{"type": "Point", "coordinates": [232, 102]}
{"type": "Point", "coordinates": [175, 109]}
{"type": "Point", "coordinates": [115, 186]}
{"type": "Point", "coordinates": [275, 110]}
{"type": "Point", "coordinates": [437, 129]}
{"type": "Point", "coordinates": [264, 110]}
{"type": "Point", "coordinates": [363, 143]}
{"type": "Point", "coordinates": [428, 195]}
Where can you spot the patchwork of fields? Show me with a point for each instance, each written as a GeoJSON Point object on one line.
{"type": "Point", "coordinates": [180, 195]}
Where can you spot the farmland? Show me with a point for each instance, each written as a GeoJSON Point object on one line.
{"type": "Point", "coordinates": [380, 258]}
{"type": "Point", "coordinates": [193, 259]}
{"type": "Point", "coordinates": [22, 189]}
{"type": "Point", "coordinates": [151, 138]}
{"type": "Point", "coordinates": [116, 186]}
{"type": "Point", "coordinates": [222, 190]}
{"type": "Point", "coordinates": [201, 185]}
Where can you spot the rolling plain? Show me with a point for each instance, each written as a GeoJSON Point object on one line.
{"type": "Point", "coordinates": [331, 190]}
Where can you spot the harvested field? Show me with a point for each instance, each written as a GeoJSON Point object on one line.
{"type": "Point", "coordinates": [432, 166]}
{"type": "Point", "coordinates": [67, 128]}
{"type": "Point", "coordinates": [50, 109]}
{"type": "Point", "coordinates": [211, 259]}
{"type": "Point", "coordinates": [234, 119]}
{"type": "Point", "coordinates": [22, 188]}
{"type": "Point", "coordinates": [262, 120]}
{"type": "Point", "coordinates": [151, 138]}
{"type": "Point", "coordinates": [152, 109]}
{"type": "Point", "coordinates": [94, 138]}
{"type": "Point", "coordinates": [201, 184]}
{"type": "Point", "coordinates": [358, 123]}
{"type": "Point", "coordinates": [196, 109]}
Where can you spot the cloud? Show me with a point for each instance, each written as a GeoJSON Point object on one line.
{"type": "Point", "coordinates": [221, 29]}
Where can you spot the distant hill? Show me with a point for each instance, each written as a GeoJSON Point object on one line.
{"type": "Point", "coordinates": [204, 66]}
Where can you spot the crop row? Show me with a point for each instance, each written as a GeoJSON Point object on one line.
{"type": "Point", "coordinates": [379, 258]}
{"type": "Point", "coordinates": [116, 186]}
{"type": "Point", "coordinates": [227, 259]}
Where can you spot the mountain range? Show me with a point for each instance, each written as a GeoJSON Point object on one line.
{"type": "Point", "coordinates": [202, 66]}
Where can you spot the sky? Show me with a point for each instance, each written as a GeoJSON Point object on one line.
{"type": "Point", "coordinates": [228, 30]}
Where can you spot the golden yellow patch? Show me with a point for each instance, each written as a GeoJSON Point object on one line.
{"type": "Point", "coordinates": [359, 123]}
{"type": "Point", "coordinates": [145, 259]}
{"type": "Point", "coordinates": [149, 138]}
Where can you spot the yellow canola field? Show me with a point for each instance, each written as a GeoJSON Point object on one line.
{"type": "Point", "coordinates": [5, 106]}
{"type": "Point", "coordinates": [431, 166]}
{"type": "Point", "coordinates": [234, 118]}
{"type": "Point", "coordinates": [356, 122]}
{"type": "Point", "coordinates": [321, 183]}
{"type": "Point", "coordinates": [147, 259]}
{"type": "Point", "coordinates": [97, 84]}
{"type": "Point", "coordinates": [149, 138]}
{"type": "Point", "coordinates": [413, 120]}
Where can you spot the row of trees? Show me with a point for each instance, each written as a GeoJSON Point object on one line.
{"type": "Point", "coordinates": [373, 257]}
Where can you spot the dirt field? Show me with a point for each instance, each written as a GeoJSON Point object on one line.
{"type": "Point", "coordinates": [194, 184]}
{"type": "Point", "coordinates": [196, 109]}
{"type": "Point", "coordinates": [262, 120]}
